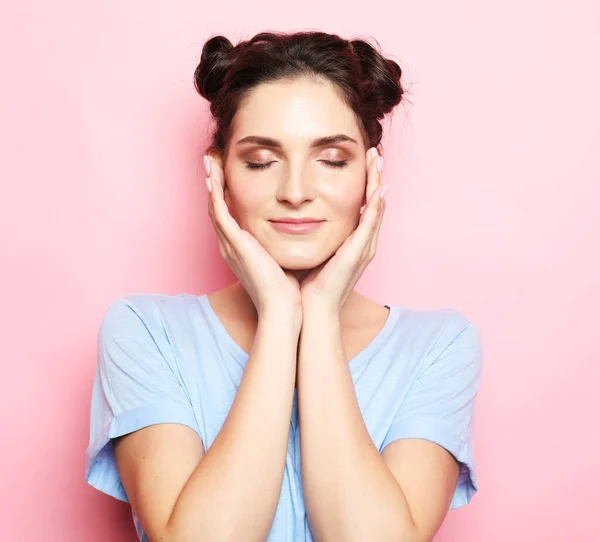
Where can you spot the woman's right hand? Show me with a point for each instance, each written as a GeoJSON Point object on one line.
{"type": "Point", "coordinates": [269, 286]}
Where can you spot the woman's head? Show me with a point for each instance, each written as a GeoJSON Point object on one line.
{"type": "Point", "coordinates": [281, 93]}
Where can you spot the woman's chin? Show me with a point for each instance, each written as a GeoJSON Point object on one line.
{"type": "Point", "coordinates": [298, 260]}
{"type": "Point", "coordinates": [295, 264]}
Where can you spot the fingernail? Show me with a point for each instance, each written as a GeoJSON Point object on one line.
{"type": "Point", "coordinates": [207, 164]}
{"type": "Point", "coordinates": [374, 152]}
{"type": "Point", "coordinates": [380, 164]}
{"type": "Point", "coordinates": [383, 191]}
{"type": "Point", "coordinates": [208, 185]}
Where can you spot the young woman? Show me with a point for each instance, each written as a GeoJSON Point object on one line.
{"type": "Point", "coordinates": [287, 406]}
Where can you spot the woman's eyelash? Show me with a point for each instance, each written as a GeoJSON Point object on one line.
{"type": "Point", "coordinates": [254, 165]}
{"type": "Point", "coordinates": [340, 163]}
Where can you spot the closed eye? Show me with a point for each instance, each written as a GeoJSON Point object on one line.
{"type": "Point", "coordinates": [255, 165]}
{"type": "Point", "coordinates": [341, 163]}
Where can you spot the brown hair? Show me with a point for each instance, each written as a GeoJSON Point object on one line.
{"type": "Point", "coordinates": [368, 83]}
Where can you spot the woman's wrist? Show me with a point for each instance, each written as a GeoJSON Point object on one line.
{"type": "Point", "coordinates": [282, 316]}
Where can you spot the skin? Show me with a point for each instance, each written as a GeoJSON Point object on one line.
{"type": "Point", "coordinates": [350, 489]}
{"type": "Point", "coordinates": [298, 182]}
{"type": "Point", "coordinates": [352, 492]}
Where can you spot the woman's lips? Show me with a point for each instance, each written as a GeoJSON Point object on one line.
{"type": "Point", "coordinates": [301, 227]}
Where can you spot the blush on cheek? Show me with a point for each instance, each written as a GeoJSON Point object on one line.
{"type": "Point", "coordinates": [246, 214]}
{"type": "Point", "coordinates": [354, 201]}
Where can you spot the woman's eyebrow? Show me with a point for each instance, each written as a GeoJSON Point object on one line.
{"type": "Point", "coordinates": [320, 142]}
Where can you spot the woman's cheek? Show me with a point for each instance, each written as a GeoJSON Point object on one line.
{"type": "Point", "coordinates": [350, 202]}
{"type": "Point", "coordinates": [246, 211]}
{"type": "Point", "coordinates": [351, 185]}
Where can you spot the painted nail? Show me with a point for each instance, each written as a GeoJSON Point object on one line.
{"type": "Point", "coordinates": [374, 152]}
{"type": "Point", "coordinates": [383, 191]}
{"type": "Point", "coordinates": [208, 185]}
{"type": "Point", "coordinates": [380, 164]}
{"type": "Point", "coordinates": [207, 164]}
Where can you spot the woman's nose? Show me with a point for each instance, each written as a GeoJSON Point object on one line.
{"type": "Point", "coordinates": [296, 185]}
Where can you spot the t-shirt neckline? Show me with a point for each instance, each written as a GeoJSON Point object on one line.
{"type": "Point", "coordinates": [242, 356]}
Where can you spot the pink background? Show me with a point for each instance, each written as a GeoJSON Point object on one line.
{"type": "Point", "coordinates": [493, 209]}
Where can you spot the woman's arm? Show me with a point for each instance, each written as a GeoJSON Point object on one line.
{"type": "Point", "coordinates": [233, 490]}
{"type": "Point", "coordinates": [349, 492]}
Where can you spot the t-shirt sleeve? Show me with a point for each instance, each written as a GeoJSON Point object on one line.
{"type": "Point", "coordinates": [135, 385]}
{"type": "Point", "coordinates": [440, 403]}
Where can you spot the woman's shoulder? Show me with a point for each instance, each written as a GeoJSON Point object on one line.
{"type": "Point", "coordinates": [444, 316]}
{"type": "Point", "coordinates": [437, 326]}
{"type": "Point", "coordinates": [152, 308]}
{"type": "Point", "coordinates": [149, 301]}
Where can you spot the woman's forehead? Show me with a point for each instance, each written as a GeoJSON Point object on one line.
{"type": "Point", "coordinates": [294, 113]}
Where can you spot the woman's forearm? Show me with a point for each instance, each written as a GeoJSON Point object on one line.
{"type": "Point", "coordinates": [234, 491]}
{"type": "Point", "coordinates": [349, 492]}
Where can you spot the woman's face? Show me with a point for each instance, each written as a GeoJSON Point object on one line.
{"type": "Point", "coordinates": [301, 177]}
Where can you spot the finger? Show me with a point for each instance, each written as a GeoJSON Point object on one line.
{"type": "Point", "coordinates": [233, 240]}
{"type": "Point", "coordinates": [230, 228]}
{"type": "Point", "coordinates": [373, 178]}
{"type": "Point", "coordinates": [227, 229]}
{"type": "Point", "coordinates": [365, 230]}
{"type": "Point", "coordinates": [211, 206]}
{"type": "Point", "coordinates": [216, 172]}
{"type": "Point", "coordinates": [225, 247]}
{"type": "Point", "coordinates": [375, 238]}
{"type": "Point", "coordinates": [217, 178]}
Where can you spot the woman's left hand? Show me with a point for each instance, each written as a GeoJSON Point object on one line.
{"type": "Point", "coordinates": [328, 286]}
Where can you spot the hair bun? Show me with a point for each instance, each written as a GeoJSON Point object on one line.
{"type": "Point", "coordinates": [381, 78]}
{"type": "Point", "coordinates": [214, 63]}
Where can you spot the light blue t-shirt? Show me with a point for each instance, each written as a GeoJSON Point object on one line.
{"type": "Point", "coordinates": [169, 359]}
